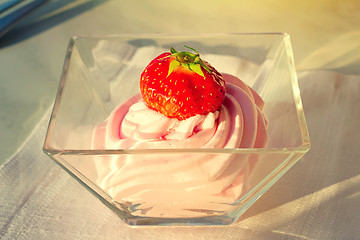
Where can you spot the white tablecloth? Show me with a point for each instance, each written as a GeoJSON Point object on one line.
{"type": "Point", "coordinates": [317, 199]}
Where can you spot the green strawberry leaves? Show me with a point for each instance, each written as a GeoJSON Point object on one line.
{"type": "Point", "coordinates": [173, 64]}
{"type": "Point", "coordinates": [196, 68]}
{"type": "Point", "coordinates": [191, 61]}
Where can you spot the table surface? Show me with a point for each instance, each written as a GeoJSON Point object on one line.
{"type": "Point", "coordinates": [317, 199]}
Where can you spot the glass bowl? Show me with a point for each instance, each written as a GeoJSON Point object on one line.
{"type": "Point", "coordinates": [100, 72]}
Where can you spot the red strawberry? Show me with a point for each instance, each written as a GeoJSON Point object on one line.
{"type": "Point", "coordinates": [181, 85]}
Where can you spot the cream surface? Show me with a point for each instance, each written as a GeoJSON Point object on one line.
{"type": "Point", "coordinates": [157, 182]}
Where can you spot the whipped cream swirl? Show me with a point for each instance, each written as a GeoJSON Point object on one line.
{"type": "Point", "coordinates": [185, 180]}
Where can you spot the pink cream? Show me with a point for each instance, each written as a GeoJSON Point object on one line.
{"type": "Point", "coordinates": [150, 179]}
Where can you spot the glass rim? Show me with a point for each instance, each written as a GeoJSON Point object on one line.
{"type": "Point", "coordinates": [54, 151]}
{"type": "Point", "coordinates": [173, 35]}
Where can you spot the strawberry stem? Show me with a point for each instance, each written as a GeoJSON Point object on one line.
{"type": "Point", "coordinates": [192, 49]}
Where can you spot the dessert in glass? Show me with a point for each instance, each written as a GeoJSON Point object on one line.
{"type": "Point", "coordinates": [175, 129]}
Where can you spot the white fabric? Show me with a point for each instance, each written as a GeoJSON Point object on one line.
{"type": "Point", "coordinates": [317, 199]}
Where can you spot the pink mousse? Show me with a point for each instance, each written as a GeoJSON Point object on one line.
{"type": "Point", "coordinates": [186, 179]}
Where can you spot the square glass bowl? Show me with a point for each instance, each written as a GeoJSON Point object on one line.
{"type": "Point", "coordinates": [170, 186]}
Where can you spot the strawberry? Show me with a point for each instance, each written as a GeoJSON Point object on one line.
{"type": "Point", "coordinates": [181, 85]}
